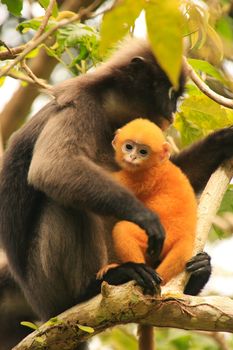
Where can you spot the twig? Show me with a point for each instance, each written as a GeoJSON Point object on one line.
{"type": "Point", "coordinates": [37, 81]}
{"type": "Point", "coordinates": [45, 19]}
{"type": "Point", "coordinates": [6, 55]}
{"type": "Point", "coordinates": [208, 206]}
{"type": "Point", "coordinates": [34, 43]}
{"type": "Point", "coordinates": [226, 102]}
{"type": "Point", "coordinates": [6, 46]}
{"type": "Point", "coordinates": [21, 77]}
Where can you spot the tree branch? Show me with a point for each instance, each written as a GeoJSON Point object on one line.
{"type": "Point", "coordinates": [126, 304]}
{"type": "Point", "coordinates": [208, 206]}
{"type": "Point", "coordinates": [32, 44]}
{"type": "Point", "coordinates": [226, 102]}
{"type": "Point", "coordinates": [34, 79]}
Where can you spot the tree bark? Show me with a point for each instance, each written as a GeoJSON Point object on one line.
{"type": "Point", "coordinates": [126, 304]}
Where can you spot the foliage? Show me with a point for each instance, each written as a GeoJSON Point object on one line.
{"type": "Point", "coordinates": [207, 31]}
{"type": "Point", "coordinates": [122, 338]}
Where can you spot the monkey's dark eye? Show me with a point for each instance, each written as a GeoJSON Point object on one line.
{"type": "Point", "coordinates": [128, 146]}
{"type": "Point", "coordinates": [143, 152]}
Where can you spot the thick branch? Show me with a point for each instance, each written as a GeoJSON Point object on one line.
{"type": "Point", "coordinates": [227, 102]}
{"type": "Point", "coordinates": [126, 304]}
{"type": "Point", "coordinates": [208, 206]}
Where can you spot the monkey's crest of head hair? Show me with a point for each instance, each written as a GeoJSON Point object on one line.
{"type": "Point", "coordinates": [142, 131]}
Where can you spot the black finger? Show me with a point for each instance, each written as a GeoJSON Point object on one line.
{"type": "Point", "coordinates": [157, 279]}
{"type": "Point", "coordinates": [147, 278]}
{"type": "Point", "coordinates": [201, 271]}
{"type": "Point", "coordinates": [196, 265]}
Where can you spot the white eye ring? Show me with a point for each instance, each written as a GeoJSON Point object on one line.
{"type": "Point", "coordinates": [127, 147]}
{"type": "Point", "coordinates": [171, 92]}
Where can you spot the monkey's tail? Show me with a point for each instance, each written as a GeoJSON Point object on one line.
{"type": "Point", "coordinates": [145, 338]}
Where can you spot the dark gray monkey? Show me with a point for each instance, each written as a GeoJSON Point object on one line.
{"type": "Point", "coordinates": [58, 202]}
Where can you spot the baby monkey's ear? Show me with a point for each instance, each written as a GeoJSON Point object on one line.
{"type": "Point", "coordinates": [166, 151]}
{"type": "Point", "coordinates": [115, 138]}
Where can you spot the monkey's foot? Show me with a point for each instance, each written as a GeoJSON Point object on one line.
{"type": "Point", "coordinates": [104, 270]}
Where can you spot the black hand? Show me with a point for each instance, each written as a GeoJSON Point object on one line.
{"type": "Point", "coordinates": [145, 276]}
{"type": "Point", "coordinates": [200, 268]}
{"type": "Point", "coordinates": [151, 224]}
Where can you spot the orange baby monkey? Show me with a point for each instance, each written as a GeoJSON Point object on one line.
{"type": "Point", "coordinates": [143, 155]}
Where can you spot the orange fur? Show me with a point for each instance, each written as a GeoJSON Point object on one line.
{"type": "Point", "coordinates": [163, 188]}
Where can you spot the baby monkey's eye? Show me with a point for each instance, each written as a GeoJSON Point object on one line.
{"type": "Point", "coordinates": [143, 152]}
{"type": "Point", "coordinates": [127, 147]}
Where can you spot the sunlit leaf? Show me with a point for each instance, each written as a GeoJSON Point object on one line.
{"type": "Point", "coordinates": [224, 27]}
{"type": "Point", "coordinates": [215, 42]}
{"type": "Point", "coordinates": [117, 22]}
{"type": "Point", "coordinates": [164, 24]}
{"type": "Point", "coordinates": [34, 24]}
{"type": "Point", "coordinates": [14, 6]}
{"type": "Point", "coordinates": [189, 132]}
{"type": "Point", "coordinates": [29, 325]}
{"type": "Point", "coordinates": [206, 67]}
{"type": "Point", "coordinates": [197, 23]}
{"type": "Point", "coordinates": [86, 328]}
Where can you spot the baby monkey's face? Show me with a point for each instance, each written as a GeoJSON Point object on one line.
{"type": "Point", "coordinates": [134, 154]}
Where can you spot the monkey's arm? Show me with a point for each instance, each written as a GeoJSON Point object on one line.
{"type": "Point", "coordinates": [61, 170]}
{"type": "Point", "coordinates": [200, 160]}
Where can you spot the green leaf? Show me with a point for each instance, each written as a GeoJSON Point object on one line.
{"type": "Point", "coordinates": [14, 6]}
{"type": "Point", "coordinates": [53, 321]}
{"type": "Point", "coordinates": [206, 67]}
{"type": "Point", "coordinates": [34, 24]}
{"type": "Point", "coordinates": [189, 132]}
{"type": "Point", "coordinates": [165, 29]}
{"type": "Point", "coordinates": [204, 113]}
{"type": "Point", "coordinates": [224, 27]}
{"type": "Point", "coordinates": [117, 22]}
{"type": "Point", "coordinates": [86, 328]}
{"type": "Point", "coordinates": [29, 325]}
{"type": "Point", "coordinates": [45, 4]}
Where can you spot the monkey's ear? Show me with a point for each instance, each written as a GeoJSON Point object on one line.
{"type": "Point", "coordinates": [115, 138]}
{"type": "Point", "coordinates": [138, 62]}
{"type": "Point", "coordinates": [166, 151]}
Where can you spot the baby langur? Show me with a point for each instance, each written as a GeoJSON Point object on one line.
{"type": "Point", "coordinates": [143, 155]}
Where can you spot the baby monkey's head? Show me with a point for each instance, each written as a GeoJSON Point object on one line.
{"type": "Point", "coordinates": [139, 145]}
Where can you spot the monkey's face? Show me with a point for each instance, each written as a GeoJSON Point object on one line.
{"type": "Point", "coordinates": [148, 92]}
{"type": "Point", "coordinates": [134, 156]}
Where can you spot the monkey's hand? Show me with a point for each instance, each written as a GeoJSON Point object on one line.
{"type": "Point", "coordinates": [200, 268]}
{"type": "Point", "coordinates": [144, 275]}
{"type": "Point", "coordinates": [150, 222]}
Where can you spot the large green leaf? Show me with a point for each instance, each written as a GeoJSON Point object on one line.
{"type": "Point", "coordinates": [165, 26]}
{"type": "Point", "coordinates": [14, 6]}
{"type": "Point", "coordinates": [117, 22]}
{"type": "Point", "coordinates": [206, 67]}
{"type": "Point", "coordinates": [202, 113]}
